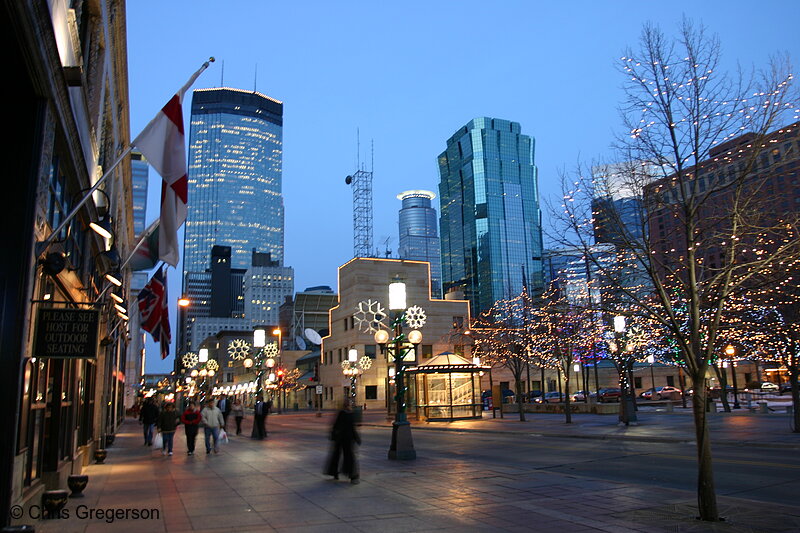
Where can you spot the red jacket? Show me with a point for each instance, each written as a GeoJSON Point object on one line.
{"type": "Point", "coordinates": [190, 418]}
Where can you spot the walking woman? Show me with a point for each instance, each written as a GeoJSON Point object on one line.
{"type": "Point", "coordinates": [343, 435]}
{"type": "Point", "coordinates": [191, 423]}
{"type": "Point", "coordinates": [238, 413]}
{"type": "Point", "coordinates": [167, 424]}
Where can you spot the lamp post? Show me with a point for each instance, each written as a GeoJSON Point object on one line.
{"type": "Point", "coordinates": [651, 359]}
{"type": "Point", "coordinates": [402, 447]}
{"type": "Point", "coordinates": [730, 351]}
{"type": "Point", "coordinates": [627, 410]}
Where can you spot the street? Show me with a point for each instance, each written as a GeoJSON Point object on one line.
{"type": "Point", "coordinates": [461, 481]}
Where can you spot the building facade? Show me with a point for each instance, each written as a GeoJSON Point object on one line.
{"type": "Point", "coordinates": [139, 176]}
{"type": "Point", "coordinates": [363, 280]}
{"type": "Point", "coordinates": [419, 234]}
{"type": "Point", "coordinates": [266, 284]}
{"type": "Point", "coordinates": [68, 63]}
{"type": "Point", "coordinates": [235, 177]}
{"type": "Point", "coordinates": [490, 219]}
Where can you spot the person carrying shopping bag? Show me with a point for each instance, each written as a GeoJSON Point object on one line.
{"type": "Point", "coordinates": [212, 421]}
{"type": "Point", "coordinates": [167, 424]}
{"type": "Point", "coordinates": [238, 414]}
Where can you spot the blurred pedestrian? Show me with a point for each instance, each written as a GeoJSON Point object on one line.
{"type": "Point", "coordinates": [148, 417]}
{"type": "Point", "coordinates": [167, 424]}
{"type": "Point", "coordinates": [212, 421]}
{"type": "Point", "coordinates": [224, 405]}
{"type": "Point", "coordinates": [238, 414]}
{"type": "Point", "coordinates": [343, 435]}
{"type": "Point", "coordinates": [260, 412]}
{"type": "Point", "coordinates": [191, 423]}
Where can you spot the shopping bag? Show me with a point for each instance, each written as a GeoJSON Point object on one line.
{"type": "Point", "coordinates": [158, 442]}
{"type": "Point", "coordinates": [223, 437]}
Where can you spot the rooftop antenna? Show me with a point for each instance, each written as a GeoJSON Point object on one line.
{"type": "Point", "coordinates": [361, 182]}
{"type": "Point", "coordinates": [372, 157]}
{"type": "Point", "coordinates": [222, 75]}
{"type": "Point", "coordinates": [358, 149]}
{"type": "Point", "coordinates": [255, 79]}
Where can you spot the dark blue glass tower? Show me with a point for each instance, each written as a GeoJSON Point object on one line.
{"type": "Point", "coordinates": [490, 224]}
{"type": "Point", "coordinates": [419, 238]}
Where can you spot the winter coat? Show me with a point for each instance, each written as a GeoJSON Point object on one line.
{"type": "Point", "coordinates": [168, 421]}
{"type": "Point", "coordinates": [212, 418]}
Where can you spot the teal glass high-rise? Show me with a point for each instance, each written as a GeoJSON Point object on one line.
{"type": "Point", "coordinates": [235, 164]}
{"type": "Point", "coordinates": [490, 218]}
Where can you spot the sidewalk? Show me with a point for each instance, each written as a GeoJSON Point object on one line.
{"type": "Point", "coordinates": [738, 428]}
{"type": "Point", "coordinates": [276, 485]}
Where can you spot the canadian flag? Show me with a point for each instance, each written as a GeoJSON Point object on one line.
{"type": "Point", "coordinates": [162, 142]}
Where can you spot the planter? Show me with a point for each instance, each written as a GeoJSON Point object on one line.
{"type": "Point", "coordinates": [100, 456]}
{"type": "Point", "coordinates": [76, 484]}
{"type": "Point", "coordinates": [53, 501]}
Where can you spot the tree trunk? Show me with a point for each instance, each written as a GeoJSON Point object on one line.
{"type": "Point", "coordinates": [566, 398]}
{"type": "Point", "coordinates": [793, 381]}
{"type": "Point", "coordinates": [706, 495]}
{"type": "Point", "coordinates": [723, 383]}
{"type": "Point", "coordinates": [518, 380]}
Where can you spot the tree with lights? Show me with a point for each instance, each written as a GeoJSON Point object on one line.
{"type": "Point", "coordinates": [689, 209]}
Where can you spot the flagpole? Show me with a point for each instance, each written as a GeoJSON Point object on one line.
{"type": "Point", "coordinates": [42, 245]}
{"type": "Point", "coordinates": [149, 231]}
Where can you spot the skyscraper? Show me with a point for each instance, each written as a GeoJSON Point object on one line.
{"type": "Point", "coordinates": [235, 200]}
{"type": "Point", "coordinates": [490, 217]}
{"type": "Point", "coordinates": [235, 160]}
{"type": "Point", "coordinates": [139, 176]}
{"type": "Point", "coordinates": [419, 236]}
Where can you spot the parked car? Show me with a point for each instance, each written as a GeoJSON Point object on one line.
{"type": "Point", "coordinates": [661, 393]}
{"type": "Point", "coordinates": [769, 387]}
{"type": "Point", "coordinates": [532, 395]}
{"type": "Point", "coordinates": [609, 395]}
{"type": "Point", "coordinates": [550, 397]}
{"type": "Point", "coordinates": [581, 395]}
{"type": "Point", "coordinates": [786, 387]}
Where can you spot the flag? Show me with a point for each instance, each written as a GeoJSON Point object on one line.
{"type": "Point", "coordinates": [153, 309]}
{"type": "Point", "coordinates": [145, 255]}
{"type": "Point", "coordinates": [162, 142]}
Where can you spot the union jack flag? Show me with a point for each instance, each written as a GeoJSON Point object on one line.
{"type": "Point", "coordinates": [154, 312]}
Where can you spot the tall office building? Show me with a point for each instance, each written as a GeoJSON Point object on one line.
{"type": "Point", "coordinates": [139, 176]}
{"type": "Point", "coordinates": [419, 235]}
{"type": "Point", "coordinates": [490, 217]}
{"type": "Point", "coordinates": [235, 159]}
{"type": "Point", "coordinates": [235, 200]}
{"type": "Point", "coordinates": [266, 285]}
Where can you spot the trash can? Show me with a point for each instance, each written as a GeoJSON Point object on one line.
{"type": "Point", "coordinates": [763, 408]}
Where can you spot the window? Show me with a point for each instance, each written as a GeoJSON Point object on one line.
{"type": "Point", "coordinates": [637, 383]}
{"type": "Point", "coordinates": [427, 351]}
{"type": "Point", "coordinates": [371, 392]}
{"type": "Point", "coordinates": [370, 350]}
{"type": "Point", "coordinates": [345, 324]}
{"type": "Point", "coordinates": [670, 381]}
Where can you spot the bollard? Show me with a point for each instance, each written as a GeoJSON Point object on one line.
{"type": "Point", "coordinates": [763, 408]}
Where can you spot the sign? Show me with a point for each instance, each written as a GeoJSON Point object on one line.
{"type": "Point", "coordinates": [319, 389]}
{"type": "Point", "coordinates": [66, 333]}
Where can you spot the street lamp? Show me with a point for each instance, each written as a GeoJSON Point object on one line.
{"type": "Point", "coordinates": [402, 447]}
{"type": "Point", "coordinates": [627, 409]}
{"type": "Point", "coordinates": [730, 351]}
{"type": "Point", "coordinates": [651, 359]}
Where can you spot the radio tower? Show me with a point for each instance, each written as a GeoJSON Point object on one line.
{"type": "Point", "coordinates": [361, 182]}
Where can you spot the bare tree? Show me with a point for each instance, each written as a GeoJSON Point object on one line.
{"type": "Point", "coordinates": [696, 229]}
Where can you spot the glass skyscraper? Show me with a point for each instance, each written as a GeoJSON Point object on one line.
{"type": "Point", "coordinates": [419, 237]}
{"type": "Point", "coordinates": [490, 223]}
{"type": "Point", "coordinates": [235, 160]}
{"type": "Point", "coordinates": [139, 175]}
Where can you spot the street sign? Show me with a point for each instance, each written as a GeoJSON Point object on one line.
{"type": "Point", "coordinates": [319, 389]}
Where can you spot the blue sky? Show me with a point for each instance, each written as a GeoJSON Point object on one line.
{"type": "Point", "coordinates": [408, 75]}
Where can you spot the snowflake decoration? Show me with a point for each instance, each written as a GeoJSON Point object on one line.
{"type": "Point", "coordinates": [271, 350]}
{"type": "Point", "coordinates": [345, 365]}
{"type": "Point", "coordinates": [212, 364]}
{"type": "Point", "coordinates": [190, 359]}
{"type": "Point", "coordinates": [369, 316]}
{"type": "Point", "coordinates": [238, 349]}
{"type": "Point", "coordinates": [365, 363]}
{"type": "Point", "coordinates": [415, 317]}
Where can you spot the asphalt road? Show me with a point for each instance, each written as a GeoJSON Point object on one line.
{"type": "Point", "coordinates": [758, 473]}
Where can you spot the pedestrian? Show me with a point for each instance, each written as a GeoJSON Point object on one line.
{"type": "Point", "coordinates": [238, 414]}
{"type": "Point", "coordinates": [224, 405]}
{"type": "Point", "coordinates": [260, 412]}
{"type": "Point", "coordinates": [148, 417]}
{"type": "Point", "coordinates": [167, 424]}
{"type": "Point", "coordinates": [191, 423]}
{"type": "Point", "coordinates": [211, 418]}
{"type": "Point", "coordinates": [343, 435]}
